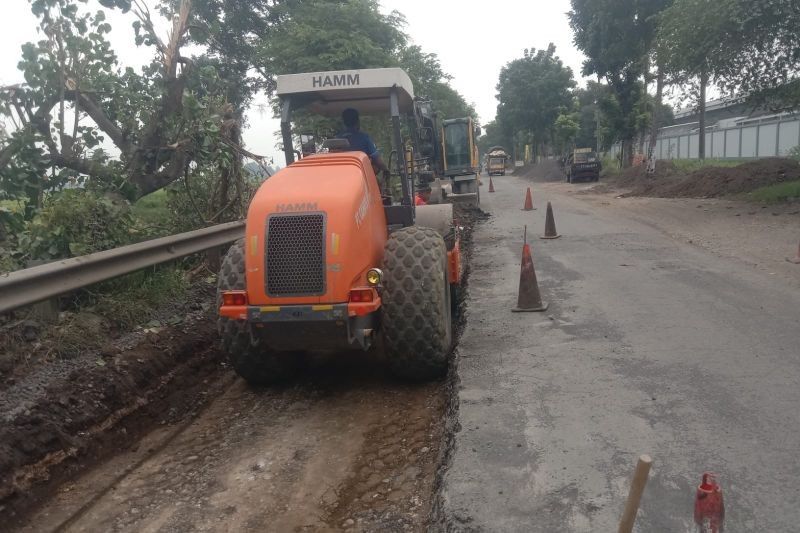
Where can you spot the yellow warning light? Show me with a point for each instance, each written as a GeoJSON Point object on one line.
{"type": "Point", "coordinates": [374, 276]}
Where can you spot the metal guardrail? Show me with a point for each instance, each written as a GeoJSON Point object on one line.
{"type": "Point", "coordinates": [25, 287]}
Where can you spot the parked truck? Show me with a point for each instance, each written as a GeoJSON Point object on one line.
{"type": "Point", "coordinates": [582, 163]}
{"type": "Point", "coordinates": [496, 160]}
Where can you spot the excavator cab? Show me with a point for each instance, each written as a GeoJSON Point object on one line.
{"type": "Point", "coordinates": [460, 155]}
{"type": "Point", "coordinates": [448, 155]}
{"type": "Point", "coordinates": [327, 263]}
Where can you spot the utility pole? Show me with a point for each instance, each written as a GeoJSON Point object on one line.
{"type": "Point", "coordinates": [701, 145]}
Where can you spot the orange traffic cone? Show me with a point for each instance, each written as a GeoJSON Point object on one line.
{"type": "Point", "coordinates": [796, 260]}
{"type": "Point", "coordinates": [709, 509]}
{"type": "Point", "coordinates": [491, 185]}
{"type": "Point", "coordinates": [529, 298]}
{"type": "Point", "coordinates": [550, 225]}
{"type": "Point", "coordinates": [528, 201]}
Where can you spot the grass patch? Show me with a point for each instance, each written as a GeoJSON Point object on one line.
{"type": "Point", "coordinates": [772, 194]}
{"type": "Point", "coordinates": [134, 299]}
{"type": "Point", "coordinates": [610, 166]}
{"type": "Point", "coordinates": [690, 165]}
{"type": "Point", "coordinates": [152, 209]}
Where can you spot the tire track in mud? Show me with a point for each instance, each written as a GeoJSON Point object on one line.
{"type": "Point", "coordinates": [347, 443]}
{"type": "Point", "coordinates": [345, 447]}
{"type": "Point", "coordinates": [72, 421]}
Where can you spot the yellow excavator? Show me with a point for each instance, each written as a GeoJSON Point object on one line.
{"type": "Point", "coordinates": [448, 157]}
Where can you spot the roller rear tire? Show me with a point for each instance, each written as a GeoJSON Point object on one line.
{"type": "Point", "coordinates": [416, 312]}
{"type": "Point", "coordinates": [247, 354]}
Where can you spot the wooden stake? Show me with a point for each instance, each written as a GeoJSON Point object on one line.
{"type": "Point", "coordinates": [635, 494]}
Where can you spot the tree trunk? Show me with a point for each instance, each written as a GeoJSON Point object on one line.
{"type": "Point", "coordinates": [626, 105]}
{"type": "Point", "coordinates": [701, 145]}
{"type": "Point", "coordinates": [627, 153]}
{"type": "Point", "coordinates": [651, 160]}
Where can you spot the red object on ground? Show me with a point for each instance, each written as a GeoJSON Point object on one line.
{"type": "Point", "coordinates": [709, 510]}
{"type": "Point", "coordinates": [491, 185]}
{"type": "Point", "coordinates": [528, 201]}
{"type": "Point", "coordinates": [419, 201]}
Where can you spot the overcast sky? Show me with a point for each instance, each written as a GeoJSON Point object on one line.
{"type": "Point", "coordinates": [473, 40]}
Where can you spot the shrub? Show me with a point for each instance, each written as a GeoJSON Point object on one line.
{"type": "Point", "coordinates": [75, 222]}
{"type": "Point", "coordinates": [191, 206]}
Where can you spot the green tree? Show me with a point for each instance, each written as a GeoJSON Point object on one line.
{"type": "Point", "coordinates": [493, 135]}
{"type": "Point", "coordinates": [759, 60]}
{"type": "Point", "coordinates": [233, 33]}
{"type": "Point", "coordinates": [688, 38]}
{"type": "Point", "coordinates": [163, 121]}
{"type": "Point", "coordinates": [532, 91]}
{"type": "Point", "coordinates": [617, 37]}
{"type": "Point", "coordinates": [565, 131]}
{"type": "Point", "coordinates": [589, 113]}
{"type": "Point", "coordinates": [320, 35]}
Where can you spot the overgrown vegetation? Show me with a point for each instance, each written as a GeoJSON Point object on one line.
{"type": "Point", "coordinates": [617, 37]}
{"type": "Point", "coordinates": [175, 124]}
{"type": "Point", "coordinates": [95, 154]}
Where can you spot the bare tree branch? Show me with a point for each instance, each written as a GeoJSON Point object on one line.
{"type": "Point", "coordinates": [83, 165]}
{"type": "Point", "coordinates": [142, 12]}
{"type": "Point", "coordinates": [93, 109]}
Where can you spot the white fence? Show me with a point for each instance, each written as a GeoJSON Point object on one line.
{"type": "Point", "coordinates": [769, 139]}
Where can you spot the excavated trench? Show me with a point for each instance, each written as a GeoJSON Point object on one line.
{"type": "Point", "coordinates": [162, 436]}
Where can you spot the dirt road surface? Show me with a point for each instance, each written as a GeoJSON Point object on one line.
{"type": "Point", "coordinates": [346, 448]}
{"type": "Point", "coordinates": [652, 344]}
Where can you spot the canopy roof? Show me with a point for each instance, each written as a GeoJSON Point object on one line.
{"type": "Point", "coordinates": [330, 93]}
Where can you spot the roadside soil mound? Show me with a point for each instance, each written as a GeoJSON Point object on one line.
{"type": "Point", "coordinates": [547, 170]}
{"type": "Point", "coordinates": [708, 182]}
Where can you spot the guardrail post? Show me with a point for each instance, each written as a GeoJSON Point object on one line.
{"type": "Point", "coordinates": [214, 259]}
{"type": "Point", "coordinates": [45, 311]}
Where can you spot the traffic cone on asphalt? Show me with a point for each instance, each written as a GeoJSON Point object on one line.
{"type": "Point", "coordinates": [528, 201]}
{"type": "Point", "coordinates": [709, 510]}
{"type": "Point", "coordinates": [796, 260]}
{"type": "Point", "coordinates": [550, 225]}
{"type": "Point", "coordinates": [529, 298]}
{"type": "Point", "coordinates": [491, 185]}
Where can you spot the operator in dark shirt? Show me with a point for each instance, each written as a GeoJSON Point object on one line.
{"type": "Point", "coordinates": [361, 141]}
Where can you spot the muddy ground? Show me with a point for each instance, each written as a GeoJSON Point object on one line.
{"type": "Point", "coordinates": [155, 432]}
{"type": "Point", "coordinates": [547, 170]}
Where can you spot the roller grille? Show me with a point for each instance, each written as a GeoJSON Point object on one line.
{"type": "Point", "coordinates": [296, 255]}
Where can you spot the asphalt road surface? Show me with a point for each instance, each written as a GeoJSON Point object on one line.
{"type": "Point", "coordinates": [651, 345]}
